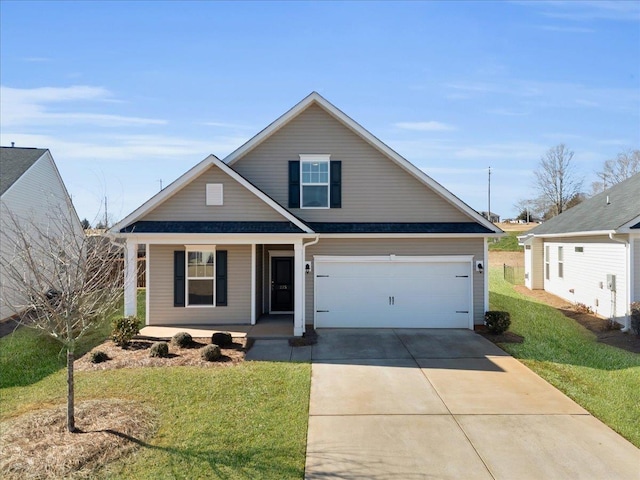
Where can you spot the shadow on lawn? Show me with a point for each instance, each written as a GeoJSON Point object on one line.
{"type": "Point", "coordinates": [549, 336]}
{"type": "Point", "coordinates": [226, 463]}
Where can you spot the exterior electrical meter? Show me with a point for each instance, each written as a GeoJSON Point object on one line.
{"type": "Point", "coordinates": [611, 282]}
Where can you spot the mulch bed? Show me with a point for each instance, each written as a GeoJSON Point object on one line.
{"type": "Point", "coordinates": [137, 355]}
{"type": "Point", "coordinates": [506, 337]}
{"type": "Point", "coordinates": [602, 328]}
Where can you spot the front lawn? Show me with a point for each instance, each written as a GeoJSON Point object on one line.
{"type": "Point", "coordinates": [604, 380]}
{"type": "Point", "coordinates": [246, 421]}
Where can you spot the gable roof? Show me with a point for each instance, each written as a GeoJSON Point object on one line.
{"type": "Point", "coordinates": [316, 99]}
{"type": "Point", "coordinates": [612, 210]}
{"type": "Point", "coordinates": [14, 162]}
{"type": "Point", "coordinates": [190, 175]}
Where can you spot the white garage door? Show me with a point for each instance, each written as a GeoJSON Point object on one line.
{"type": "Point", "coordinates": [393, 292]}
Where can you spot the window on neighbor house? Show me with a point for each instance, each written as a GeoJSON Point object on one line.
{"type": "Point", "coordinates": [560, 262]}
{"type": "Point", "coordinates": [201, 278]}
{"type": "Point", "coordinates": [314, 176]}
{"type": "Point", "coordinates": [546, 263]}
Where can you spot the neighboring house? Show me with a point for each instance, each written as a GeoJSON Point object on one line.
{"type": "Point", "coordinates": [31, 193]}
{"type": "Point", "coordinates": [590, 254]}
{"type": "Point", "coordinates": [492, 217]}
{"type": "Point", "coordinates": [316, 218]}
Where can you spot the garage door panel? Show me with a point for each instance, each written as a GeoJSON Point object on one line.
{"type": "Point", "coordinates": [393, 294]}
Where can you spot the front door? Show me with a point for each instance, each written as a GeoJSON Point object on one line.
{"type": "Point", "coordinates": [282, 284]}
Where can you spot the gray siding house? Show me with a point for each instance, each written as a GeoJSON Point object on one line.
{"type": "Point", "coordinates": [590, 254]}
{"type": "Point", "coordinates": [314, 218]}
{"type": "Point", "coordinates": [31, 193]}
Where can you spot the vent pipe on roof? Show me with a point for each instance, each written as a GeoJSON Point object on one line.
{"type": "Point", "coordinates": [608, 202]}
{"type": "Point", "coordinates": [13, 144]}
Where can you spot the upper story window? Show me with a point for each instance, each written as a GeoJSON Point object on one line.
{"type": "Point", "coordinates": [314, 176]}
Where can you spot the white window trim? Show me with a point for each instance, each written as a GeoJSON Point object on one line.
{"type": "Point", "coordinates": [547, 263]}
{"type": "Point", "coordinates": [199, 248]}
{"type": "Point", "coordinates": [316, 157]}
{"type": "Point", "coordinates": [560, 261]}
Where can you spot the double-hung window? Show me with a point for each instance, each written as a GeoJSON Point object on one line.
{"type": "Point", "coordinates": [314, 175]}
{"type": "Point", "coordinates": [546, 262]}
{"type": "Point", "coordinates": [201, 277]}
{"type": "Point", "coordinates": [561, 262]}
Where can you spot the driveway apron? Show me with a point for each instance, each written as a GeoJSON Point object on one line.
{"type": "Point", "coordinates": [414, 404]}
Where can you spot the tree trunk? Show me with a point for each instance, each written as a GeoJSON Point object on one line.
{"type": "Point", "coordinates": [71, 422]}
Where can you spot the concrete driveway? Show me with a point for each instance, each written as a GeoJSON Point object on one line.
{"type": "Point", "coordinates": [409, 404]}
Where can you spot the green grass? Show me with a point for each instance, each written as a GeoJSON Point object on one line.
{"type": "Point", "coordinates": [247, 421]}
{"type": "Point", "coordinates": [604, 380]}
{"type": "Point", "coordinates": [508, 243]}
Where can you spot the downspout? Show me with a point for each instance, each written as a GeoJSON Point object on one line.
{"type": "Point", "coordinates": [304, 282]}
{"type": "Point", "coordinates": [625, 329]}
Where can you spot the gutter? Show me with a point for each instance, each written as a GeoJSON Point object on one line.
{"type": "Point", "coordinates": [304, 282]}
{"type": "Point", "coordinates": [626, 328]}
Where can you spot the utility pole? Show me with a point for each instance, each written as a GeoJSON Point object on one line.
{"type": "Point", "coordinates": [489, 195]}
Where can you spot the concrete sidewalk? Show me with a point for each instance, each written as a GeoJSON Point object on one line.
{"type": "Point", "coordinates": [409, 404]}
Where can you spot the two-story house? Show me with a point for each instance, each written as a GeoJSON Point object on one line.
{"type": "Point", "coordinates": [315, 218]}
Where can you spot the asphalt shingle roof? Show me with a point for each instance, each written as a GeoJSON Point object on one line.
{"type": "Point", "coordinates": [14, 161]}
{"type": "Point", "coordinates": [596, 214]}
{"type": "Point", "coordinates": [386, 227]}
{"type": "Point", "coordinates": [210, 227]}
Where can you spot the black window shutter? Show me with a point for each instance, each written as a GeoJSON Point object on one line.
{"type": "Point", "coordinates": [221, 278]}
{"type": "Point", "coordinates": [335, 186]}
{"type": "Point", "coordinates": [294, 184]}
{"type": "Point", "coordinates": [178, 278]}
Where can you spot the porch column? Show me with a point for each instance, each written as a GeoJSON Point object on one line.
{"type": "Point", "coordinates": [298, 289]}
{"type": "Point", "coordinates": [253, 284]}
{"type": "Point", "coordinates": [130, 278]}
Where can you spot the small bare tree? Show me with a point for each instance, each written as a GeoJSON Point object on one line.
{"type": "Point", "coordinates": [625, 165]}
{"type": "Point", "coordinates": [556, 180]}
{"type": "Point", "coordinates": [58, 280]}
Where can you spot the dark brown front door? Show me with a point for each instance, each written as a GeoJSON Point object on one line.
{"type": "Point", "coordinates": [282, 284]}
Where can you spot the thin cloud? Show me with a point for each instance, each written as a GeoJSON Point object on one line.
{"type": "Point", "coordinates": [430, 126]}
{"type": "Point", "coordinates": [565, 29]}
{"type": "Point", "coordinates": [30, 106]}
{"type": "Point", "coordinates": [37, 59]}
{"type": "Point", "coordinates": [227, 125]}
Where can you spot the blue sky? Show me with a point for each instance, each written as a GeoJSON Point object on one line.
{"type": "Point", "coordinates": [126, 94]}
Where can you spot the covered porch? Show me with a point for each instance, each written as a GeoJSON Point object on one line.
{"type": "Point", "coordinates": [250, 285]}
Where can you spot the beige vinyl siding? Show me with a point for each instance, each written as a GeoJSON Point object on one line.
{"type": "Point", "coordinates": [586, 273]}
{"type": "Point", "coordinates": [189, 204]}
{"type": "Point", "coordinates": [374, 188]}
{"type": "Point", "coordinates": [537, 265]}
{"type": "Point", "coordinates": [160, 289]}
{"type": "Point", "coordinates": [38, 197]}
{"type": "Point", "coordinates": [435, 247]}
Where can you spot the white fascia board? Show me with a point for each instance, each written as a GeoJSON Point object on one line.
{"type": "Point", "coordinates": [411, 235]}
{"type": "Point", "coordinates": [593, 233]}
{"type": "Point", "coordinates": [213, 238]}
{"type": "Point", "coordinates": [367, 136]}
{"type": "Point", "coordinates": [393, 258]}
{"type": "Point", "coordinates": [262, 196]}
{"type": "Point", "coordinates": [165, 193]}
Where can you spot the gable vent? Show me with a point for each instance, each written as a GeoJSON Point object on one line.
{"type": "Point", "coordinates": [214, 194]}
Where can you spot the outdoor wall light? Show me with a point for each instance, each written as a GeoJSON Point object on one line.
{"type": "Point", "coordinates": [307, 268]}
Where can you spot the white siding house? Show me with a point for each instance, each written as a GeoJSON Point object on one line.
{"type": "Point", "coordinates": [30, 190]}
{"type": "Point", "coordinates": [590, 254]}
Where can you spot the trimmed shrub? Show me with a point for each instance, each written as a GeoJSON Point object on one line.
{"type": "Point", "coordinates": [182, 340]}
{"type": "Point", "coordinates": [634, 323]}
{"type": "Point", "coordinates": [159, 349]}
{"type": "Point", "coordinates": [497, 322]}
{"type": "Point", "coordinates": [124, 329]}
{"type": "Point", "coordinates": [582, 308]}
{"type": "Point", "coordinates": [223, 339]}
{"type": "Point", "coordinates": [210, 353]}
{"type": "Point", "coordinates": [98, 357]}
